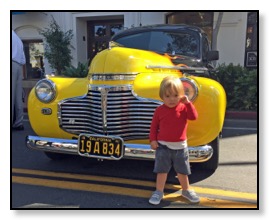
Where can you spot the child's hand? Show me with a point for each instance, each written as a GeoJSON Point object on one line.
{"type": "Point", "coordinates": [184, 99]}
{"type": "Point", "coordinates": [154, 145]}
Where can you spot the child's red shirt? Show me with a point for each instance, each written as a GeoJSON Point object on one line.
{"type": "Point", "coordinates": [170, 124]}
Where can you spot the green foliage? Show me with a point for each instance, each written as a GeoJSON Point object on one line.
{"type": "Point", "coordinates": [57, 46]}
{"type": "Point", "coordinates": [79, 72]}
{"type": "Point", "coordinates": [240, 85]}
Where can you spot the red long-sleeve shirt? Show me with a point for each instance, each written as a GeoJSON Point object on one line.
{"type": "Point", "coordinates": [170, 124]}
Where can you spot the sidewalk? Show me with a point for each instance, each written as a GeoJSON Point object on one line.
{"type": "Point", "coordinates": [241, 115]}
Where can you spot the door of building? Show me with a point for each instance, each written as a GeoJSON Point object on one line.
{"type": "Point", "coordinates": [100, 33]}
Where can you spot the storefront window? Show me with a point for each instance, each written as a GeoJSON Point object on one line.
{"type": "Point", "coordinates": [251, 41]}
{"type": "Point", "coordinates": [34, 54]}
{"type": "Point", "coordinates": [100, 30]}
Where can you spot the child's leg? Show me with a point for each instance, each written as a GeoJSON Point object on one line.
{"type": "Point", "coordinates": [184, 181]}
{"type": "Point", "coordinates": [157, 195]}
{"type": "Point", "coordinates": [160, 181]}
{"type": "Point", "coordinates": [186, 192]}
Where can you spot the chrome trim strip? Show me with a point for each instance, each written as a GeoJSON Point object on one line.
{"type": "Point", "coordinates": [104, 91]}
{"type": "Point", "coordinates": [196, 69]}
{"type": "Point", "coordinates": [132, 151]}
{"type": "Point", "coordinates": [112, 76]}
{"type": "Point", "coordinates": [110, 88]}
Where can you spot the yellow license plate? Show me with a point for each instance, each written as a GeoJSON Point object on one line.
{"type": "Point", "coordinates": [103, 147]}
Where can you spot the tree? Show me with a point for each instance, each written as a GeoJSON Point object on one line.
{"type": "Point", "coordinates": [57, 46]}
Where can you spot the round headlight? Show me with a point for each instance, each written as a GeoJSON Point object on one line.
{"type": "Point", "coordinates": [190, 88]}
{"type": "Point", "coordinates": [45, 90]}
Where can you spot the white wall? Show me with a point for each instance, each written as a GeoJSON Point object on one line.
{"type": "Point", "coordinates": [231, 37]}
{"type": "Point", "coordinates": [149, 18]}
{"type": "Point", "coordinates": [80, 41]}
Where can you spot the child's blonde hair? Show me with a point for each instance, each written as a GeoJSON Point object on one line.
{"type": "Point", "coordinates": [171, 84]}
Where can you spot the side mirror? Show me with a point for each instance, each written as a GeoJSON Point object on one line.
{"type": "Point", "coordinates": [212, 55]}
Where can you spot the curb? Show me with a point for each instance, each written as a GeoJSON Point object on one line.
{"type": "Point", "coordinates": [241, 115]}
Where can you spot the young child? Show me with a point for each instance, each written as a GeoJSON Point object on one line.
{"type": "Point", "coordinates": [168, 137]}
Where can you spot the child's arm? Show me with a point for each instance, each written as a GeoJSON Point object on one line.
{"type": "Point", "coordinates": [153, 131]}
{"type": "Point", "coordinates": [191, 111]}
{"type": "Point", "coordinates": [154, 145]}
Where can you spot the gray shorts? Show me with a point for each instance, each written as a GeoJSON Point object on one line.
{"type": "Point", "coordinates": [165, 158]}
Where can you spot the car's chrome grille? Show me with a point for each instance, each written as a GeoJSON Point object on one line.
{"type": "Point", "coordinates": [108, 110]}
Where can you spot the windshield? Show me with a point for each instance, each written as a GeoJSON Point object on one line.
{"type": "Point", "coordinates": [181, 43]}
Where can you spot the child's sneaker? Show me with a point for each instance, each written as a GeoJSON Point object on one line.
{"type": "Point", "coordinates": [156, 197]}
{"type": "Point", "coordinates": [191, 196]}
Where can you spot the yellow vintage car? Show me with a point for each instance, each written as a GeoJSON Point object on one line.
{"type": "Point", "coordinates": [107, 115]}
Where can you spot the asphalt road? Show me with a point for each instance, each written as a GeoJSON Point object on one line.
{"type": "Point", "coordinates": [76, 182]}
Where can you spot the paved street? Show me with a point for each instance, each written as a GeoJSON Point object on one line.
{"type": "Point", "coordinates": [39, 182]}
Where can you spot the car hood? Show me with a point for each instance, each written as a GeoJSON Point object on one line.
{"type": "Point", "coordinates": [119, 60]}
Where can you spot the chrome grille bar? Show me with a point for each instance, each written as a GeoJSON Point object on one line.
{"type": "Point", "coordinates": [108, 110]}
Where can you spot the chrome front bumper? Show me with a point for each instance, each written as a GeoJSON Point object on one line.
{"type": "Point", "coordinates": [132, 151]}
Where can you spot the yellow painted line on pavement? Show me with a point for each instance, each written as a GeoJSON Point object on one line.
{"type": "Point", "coordinates": [82, 186]}
{"type": "Point", "coordinates": [200, 190]}
{"type": "Point", "coordinates": [215, 203]}
{"type": "Point", "coordinates": [226, 193]}
{"type": "Point", "coordinates": [174, 197]}
{"type": "Point", "coordinates": [84, 177]}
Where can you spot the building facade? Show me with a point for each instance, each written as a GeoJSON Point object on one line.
{"type": "Point", "coordinates": [236, 41]}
